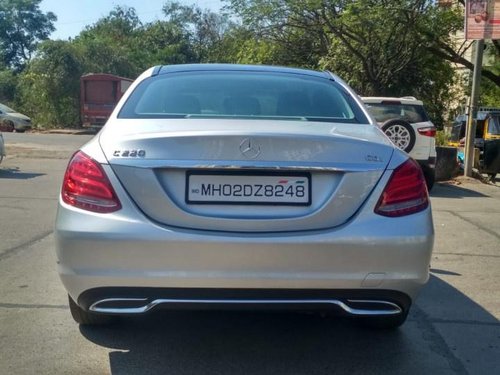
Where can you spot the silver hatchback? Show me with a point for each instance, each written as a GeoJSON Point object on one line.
{"type": "Point", "coordinates": [233, 186]}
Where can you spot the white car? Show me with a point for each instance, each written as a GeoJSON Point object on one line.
{"type": "Point", "coordinates": [406, 123]}
{"type": "Point", "coordinates": [15, 120]}
{"type": "Point", "coordinates": [236, 186]}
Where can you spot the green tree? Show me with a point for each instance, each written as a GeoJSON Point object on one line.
{"type": "Point", "coordinates": [490, 93]}
{"type": "Point", "coordinates": [205, 29]}
{"type": "Point", "coordinates": [8, 82]}
{"type": "Point", "coordinates": [441, 44]}
{"type": "Point", "coordinates": [48, 89]}
{"type": "Point", "coordinates": [377, 46]}
{"type": "Point", "coordinates": [22, 26]}
{"type": "Point", "coordinates": [162, 42]}
{"type": "Point", "coordinates": [120, 44]}
{"type": "Point", "coordinates": [106, 45]}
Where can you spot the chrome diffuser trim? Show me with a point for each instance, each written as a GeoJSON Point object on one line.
{"type": "Point", "coordinates": [392, 308]}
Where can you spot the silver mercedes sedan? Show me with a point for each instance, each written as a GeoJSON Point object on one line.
{"type": "Point", "coordinates": [235, 186]}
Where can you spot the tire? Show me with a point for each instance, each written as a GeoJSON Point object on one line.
{"type": "Point", "coordinates": [7, 126]}
{"type": "Point", "coordinates": [88, 318]}
{"type": "Point", "coordinates": [430, 176]}
{"type": "Point", "coordinates": [400, 133]}
{"type": "Point", "coordinates": [384, 322]}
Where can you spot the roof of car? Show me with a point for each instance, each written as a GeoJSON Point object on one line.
{"type": "Point", "coordinates": [482, 113]}
{"type": "Point", "coordinates": [237, 67]}
{"type": "Point", "coordinates": [379, 99]}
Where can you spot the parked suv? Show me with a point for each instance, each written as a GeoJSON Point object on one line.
{"type": "Point", "coordinates": [406, 123]}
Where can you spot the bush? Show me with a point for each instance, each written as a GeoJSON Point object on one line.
{"type": "Point", "coordinates": [442, 138]}
{"type": "Point", "coordinates": [48, 89]}
{"type": "Point", "coordinates": [8, 81]}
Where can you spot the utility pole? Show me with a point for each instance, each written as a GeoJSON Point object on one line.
{"type": "Point", "coordinates": [470, 133]}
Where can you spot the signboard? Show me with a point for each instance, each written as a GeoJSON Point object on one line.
{"type": "Point", "coordinates": [482, 19]}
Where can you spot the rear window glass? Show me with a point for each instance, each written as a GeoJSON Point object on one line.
{"type": "Point", "coordinates": [494, 125]}
{"type": "Point", "coordinates": [6, 109]}
{"type": "Point", "coordinates": [252, 95]}
{"type": "Point", "coordinates": [387, 111]}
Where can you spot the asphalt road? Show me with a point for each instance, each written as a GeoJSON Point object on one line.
{"type": "Point", "coordinates": [452, 329]}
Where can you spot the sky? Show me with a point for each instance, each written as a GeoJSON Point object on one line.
{"type": "Point", "coordinates": [74, 15]}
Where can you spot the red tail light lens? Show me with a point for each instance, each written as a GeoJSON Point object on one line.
{"type": "Point", "coordinates": [428, 132]}
{"type": "Point", "coordinates": [405, 193]}
{"type": "Point", "coordinates": [86, 186]}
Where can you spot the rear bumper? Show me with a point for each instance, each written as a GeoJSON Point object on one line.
{"type": "Point", "coordinates": [127, 250]}
{"type": "Point", "coordinates": [345, 302]}
{"type": "Point", "coordinates": [369, 253]}
{"type": "Point", "coordinates": [22, 126]}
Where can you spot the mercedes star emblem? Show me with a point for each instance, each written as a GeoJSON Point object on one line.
{"type": "Point", "coordinates": [249, 148]}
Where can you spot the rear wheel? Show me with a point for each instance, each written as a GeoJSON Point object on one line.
{"type": "Point", "coordinates": [400, 133]}
{"type": "Point", "coordinates": [88, 318]}
{"type": "Point", "coordinates": [7, 126]}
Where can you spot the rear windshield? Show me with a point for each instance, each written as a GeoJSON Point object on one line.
{"type": "Point", "coordinates": [387, 111]}
{"type": "Point", "coordinates": [494, 125]}
{"type": "Point", "coordinates": [6, 109]}
{"type": "Point", "coordinates": [244, 95]}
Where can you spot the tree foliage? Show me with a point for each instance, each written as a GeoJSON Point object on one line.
{"type": "Point", "coordinates": [381, 47]}
{"type": "Point", "coordinates": [106, 46]}
{"type": "Point", "coordinates": [22, 26]}
{"type": "Point", "coordinates": [490, 92]}
{"type": "Point", "coordinates": [162, 42]}
{"type": "Point", "coordinates": [48, 89]}
{"type": "Point", "coordinates": [204, 29]}
{"type": "Point", "coordinates": [8, 83]}
{"type": "Point", "coordinates": [378, 47]}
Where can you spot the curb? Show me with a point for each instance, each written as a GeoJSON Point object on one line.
{"type": "Point", "coordinates": [67, 131]}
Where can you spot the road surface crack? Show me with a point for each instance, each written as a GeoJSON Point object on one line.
{"type": "Point", "coordinates": [469, 255]}
{"type": "Point", "coordinates": [436, 341]}
{"type": "Point", "coordinates": [7, 253]}
{"type": "Point", "coordinates": [464, 321]}
{"type": "Point", "coordinates": [478, 226]}
{"type": "Point", "coordinates": [31, 306]}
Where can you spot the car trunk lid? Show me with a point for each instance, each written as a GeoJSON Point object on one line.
{"type": "Point", "coordinates": [165, 164]}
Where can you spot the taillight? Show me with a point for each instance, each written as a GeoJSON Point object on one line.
{"type": "Point", "coordinates": [86, 186]}
{"type": "Point", "coordinates": [405, 193]}
{"type": "Point", "coordinates": [428, 132]}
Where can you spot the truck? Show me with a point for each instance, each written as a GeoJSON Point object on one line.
{"type": "Point", "coordinates": [99, 94]}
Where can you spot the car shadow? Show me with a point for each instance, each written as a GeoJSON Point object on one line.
{"type": "Point", "coordinates": [444, 272]}
{"type": "Point", "coordinates": [16, 174]}
{"type": "Point", "coordinates": [444, 190]}
{"type": "Point", "coordinates": [286, 343]}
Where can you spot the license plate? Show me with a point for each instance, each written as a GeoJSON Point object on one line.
{"type": "Point", "coordinates": [285, 189]}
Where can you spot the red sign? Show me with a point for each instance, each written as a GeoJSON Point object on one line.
{"type": "Point", "coordinates": [482, 19]}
